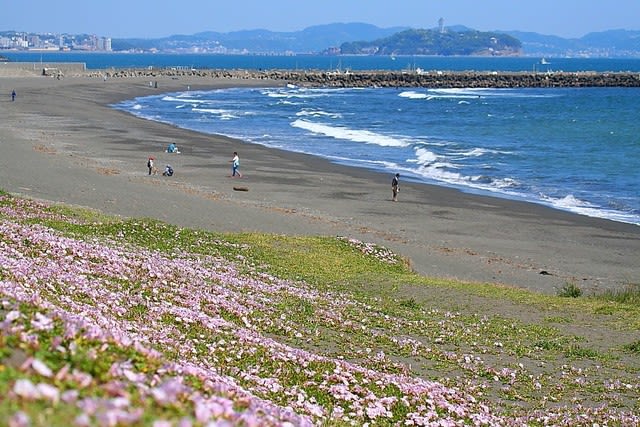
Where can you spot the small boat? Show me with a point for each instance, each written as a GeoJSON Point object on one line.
{"type": "Point", "coordinates": [544, 61]}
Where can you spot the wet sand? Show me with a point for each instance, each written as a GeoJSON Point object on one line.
{"type": "Point", "coordinates": [61, 141]}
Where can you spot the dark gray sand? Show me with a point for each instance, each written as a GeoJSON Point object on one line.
{"type": "Point", "coordinates": [61, 141]}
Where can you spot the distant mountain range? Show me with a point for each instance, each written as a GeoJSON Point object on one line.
{"type": "Point", "coordinates": [341, 39]}
{"type": "Point", "coordinates": [615, 43]}
{"type": "Point", "coordinates": [310, 40]}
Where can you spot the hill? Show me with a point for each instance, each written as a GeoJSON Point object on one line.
{"type": "Point", "coordinates": [616, 43]}
{"type": "Point", "coordinates": [359, 37]}
{"type": "Point", "coordinates": [310, 40]}
{"type": "Point", "coordinates": [433, 42]}
{"type": "Point", "coordinates": [351, 36]}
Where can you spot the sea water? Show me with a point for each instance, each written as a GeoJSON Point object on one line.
{"type": "Point", "coordinates": [106, 60]}
{"type": "Point", "coordinates": [572, 149]}
{"type": "Point", "coordinates": [576, 149]}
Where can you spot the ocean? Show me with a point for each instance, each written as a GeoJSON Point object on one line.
{"type": "Point", "coordinates": [574, 149]}
{"type": "Point", "coordinates": [571, 149]}
{"type": "Point", "coordinates": [105, 60]}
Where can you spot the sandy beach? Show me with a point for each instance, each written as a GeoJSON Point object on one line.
{"type": "Point", "coordinates": [61, 141]}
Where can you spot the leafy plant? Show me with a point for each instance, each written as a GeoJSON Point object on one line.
{"type": "Point", "coordinates": [570, 290]}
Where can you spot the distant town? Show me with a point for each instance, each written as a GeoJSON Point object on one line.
{"type": "Point", "coordinates": [53, 42]}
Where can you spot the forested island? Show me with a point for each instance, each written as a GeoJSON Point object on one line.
{"type": "Point", "coordinates": [435, 42]}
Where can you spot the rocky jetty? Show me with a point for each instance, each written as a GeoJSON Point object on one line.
{"type": "Point", "coordinates": [431, 79]}
{"type": "Point", "coordinates": [467, 79]}
{"type": "Point", "coordinates": [316, 78]}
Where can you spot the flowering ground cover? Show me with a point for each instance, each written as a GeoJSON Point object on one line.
{"type": "Point", "coordinates": [134, 322]}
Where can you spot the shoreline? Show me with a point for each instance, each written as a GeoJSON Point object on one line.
{"type": "Point", "coordinates": [63, 142]}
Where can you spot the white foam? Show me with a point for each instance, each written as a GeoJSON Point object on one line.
{"type": "Point", "coordinates": [217, 111]}
{"type": "Point", "coordinates": [573, 204]}
{"type": "Point", "coordinates": [318, 113]}
{"type": "Point", "coordinates": [354, 135]}
{"type": "Point", "coordinates": [183, 99]}
{"type": "Point", "coordinates": [412, 95]}
{"type": "Point", "coordinates": [301, 94]}
{"type": "Point", "coordinates": [475, 93]}
{"type": "Point", "coordinates": [479, 152]}
{"type": "Point", "coordinates": [424, 156]}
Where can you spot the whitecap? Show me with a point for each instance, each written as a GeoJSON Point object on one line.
{"type": "Point", "coordinates": [424, 156]}
{"type": "Point", "coordinates": [354, 135]}
{"type": "Point", "coordinates": [211, 110]}
{"type": "Point", "coordinates": [183, 99]}
{"type": "Point", "coordinates": [318, 113]}
{"type": "Point", "coordinates": [412, 95]}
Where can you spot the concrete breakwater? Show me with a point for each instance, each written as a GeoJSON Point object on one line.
{"type": "Point", "coordinates": [432, 79]}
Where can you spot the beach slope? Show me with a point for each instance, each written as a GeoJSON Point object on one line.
{"type": "Point", "coordinates": [61, 141]}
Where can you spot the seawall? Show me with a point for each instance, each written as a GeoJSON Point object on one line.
{"type": "Point", "coordinates": [50, 69]}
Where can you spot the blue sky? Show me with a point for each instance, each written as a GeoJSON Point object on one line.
{"type": "Point", "coordinates": [157, 18]}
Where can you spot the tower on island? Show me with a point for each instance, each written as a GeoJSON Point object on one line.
{"type": "Point", "coordinates": [441, 25]}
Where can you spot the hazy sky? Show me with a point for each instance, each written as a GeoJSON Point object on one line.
{"type": "Point", "coordinates": [157, 18]}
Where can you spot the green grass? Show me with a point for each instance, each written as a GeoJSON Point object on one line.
{"type": "Point", "coordinates": [629, 294]}
{"type": "Point", "coordinates": [444, 330]}
{"type": "Point", "coordinates": [570, 290]}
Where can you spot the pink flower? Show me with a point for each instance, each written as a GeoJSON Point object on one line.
{"type": "Point", "coordinates": [49, 392]}
{"type": "Point", "coordinates": [25, 389]}
{"type": "Point", "coordinates": [19, 419]}
{"type": "Point", "coordinates": [41, 368]}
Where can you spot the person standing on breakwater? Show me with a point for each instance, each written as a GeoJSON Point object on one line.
{"type": "Point", "coordinates": [395, 187]}
{"type": "Point", "coordinates": [235, 165]}
{"type": "Point", "coordinates": [13, 95]}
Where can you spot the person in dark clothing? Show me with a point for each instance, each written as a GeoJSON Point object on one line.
{"type": "Point", "coordinates": [395, 186]}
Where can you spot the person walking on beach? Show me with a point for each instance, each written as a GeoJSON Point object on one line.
{"type": "Point", "coordinates": [152, 169]}
{"type": "Point", "coordinates": [13, 95]}
{"type": "Point", "coordinates": [235, 165]}
{"type": "Point", "coordinates": [395, 186]}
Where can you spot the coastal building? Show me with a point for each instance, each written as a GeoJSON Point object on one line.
{"type": "Point", "coordinates": [50, 42]}
{"type": "Point", "coordinates": [103, 43]}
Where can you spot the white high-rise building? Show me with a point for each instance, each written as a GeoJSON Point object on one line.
{"type": "Point", "coordinates": [103, 43]}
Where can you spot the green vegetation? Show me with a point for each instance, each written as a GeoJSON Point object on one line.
{"type": "Point", "coordinates": [279, 316]}
{"type": "Point", "coordinates": [629, 294]}
{"type": "Point", "coordinates": [570, 290]}
{"type": "Point", "coordinates": [431, 42]}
